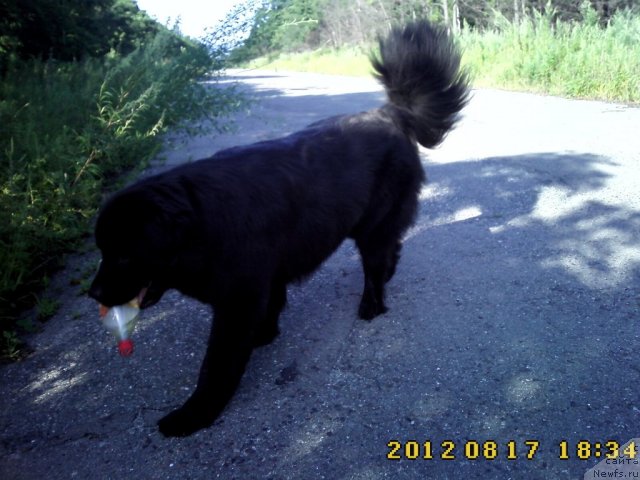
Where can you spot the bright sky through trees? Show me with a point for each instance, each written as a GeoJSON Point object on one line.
{"type": "Point", "coordinates": [194, 15]}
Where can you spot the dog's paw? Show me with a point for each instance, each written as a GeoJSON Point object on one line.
{"type": "Point", "coordinates": [370, 310]}
{"type": "Point", "coordinates": [182, 423]}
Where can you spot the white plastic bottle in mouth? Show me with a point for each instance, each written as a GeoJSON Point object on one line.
{"type": "Point", "coordinates": [120, 321]}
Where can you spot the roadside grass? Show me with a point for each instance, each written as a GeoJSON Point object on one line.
{"type": "Point", "coordinates": [580, 60]}
{"type": "Point", "coordinates": [69, 131]}
{"type": "Point", "coordinates": [349, 61]}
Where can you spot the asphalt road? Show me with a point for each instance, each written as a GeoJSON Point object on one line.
{"type": "Point", "coordinates": [514, 317]}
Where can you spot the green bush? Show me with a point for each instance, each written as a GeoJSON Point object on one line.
{"type": "Point", "coordinates": [68, 129]}
{"type": "Point", "coordinates": [583, 60]}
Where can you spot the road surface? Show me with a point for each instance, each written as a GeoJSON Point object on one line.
{"type": "Point", "coordinates": [513, 330]}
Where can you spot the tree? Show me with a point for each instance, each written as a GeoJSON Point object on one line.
{"type": "Point", "coordinates": [71, 29]}
{"type": "Point", "coordinates": [280, 25]}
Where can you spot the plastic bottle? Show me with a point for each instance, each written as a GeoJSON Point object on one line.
{"type": "Point", "coordinates": [120, 320]}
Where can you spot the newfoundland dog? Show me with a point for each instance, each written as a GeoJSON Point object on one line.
{"type": "Point", "coordinates": [234, 229]}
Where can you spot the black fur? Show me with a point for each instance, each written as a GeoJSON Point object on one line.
{"type": "Point", "coordinates": [234, 229]}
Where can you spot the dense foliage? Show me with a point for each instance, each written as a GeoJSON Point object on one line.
{"type": "Point", "coordinates": [71, 29]}
{"type": "Point", "coordinates": [575, 59]}
{"type": "Point", "coordinates": [85, 90]}
{"type": "Point", "coordinates": [292, 25]}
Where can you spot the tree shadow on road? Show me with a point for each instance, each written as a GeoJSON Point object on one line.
{"type": "Point", "coordinates": [545, 206]}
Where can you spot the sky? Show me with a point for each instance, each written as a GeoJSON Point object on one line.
{"type": "Point", "coordinates": [195, 15]}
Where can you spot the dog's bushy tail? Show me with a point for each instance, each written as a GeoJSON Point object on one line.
{"type": "Point", "coordinates": [419, 66]}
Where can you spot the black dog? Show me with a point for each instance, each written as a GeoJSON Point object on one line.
{"type": "Point", "coordinates": [234, 229]}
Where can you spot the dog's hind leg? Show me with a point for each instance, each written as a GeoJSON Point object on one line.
{"type": "Point", "coordinates": [380, 251]}
{"type": "Point", "coordinates": [268, 330]}
{"type": "Point", "coordinates": [379, 261]}
{"type": "Point", "coordinates": [393, 261]}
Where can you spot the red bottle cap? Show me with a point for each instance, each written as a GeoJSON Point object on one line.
{"type": "Point", "coordinates": [125, 347]}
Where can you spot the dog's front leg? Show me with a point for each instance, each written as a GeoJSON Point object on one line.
{"type": "Point", "coordinates": [230, 346]}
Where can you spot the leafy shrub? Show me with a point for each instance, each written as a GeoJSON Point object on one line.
{"type": "Point", "coordinates": [67, 129]}
{"type": "Point", "coordinates": [585, 59]}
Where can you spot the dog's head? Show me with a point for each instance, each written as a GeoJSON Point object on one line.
{"type": "Point", "coordinates": [134, 244]}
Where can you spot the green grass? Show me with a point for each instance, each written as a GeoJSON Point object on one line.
{"type": "Point", "coordinates": [350, 61]}
{"type": "Point", "coordinates": [569, 59]}
{"type": "Point", "coordinates": [581, 60]}
{"type": "Point", "coordinates": [68, 132]}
